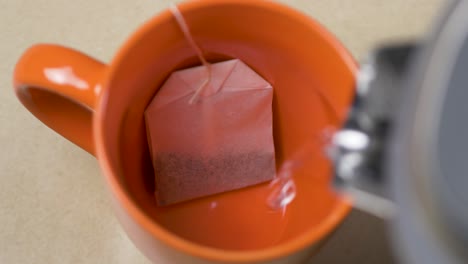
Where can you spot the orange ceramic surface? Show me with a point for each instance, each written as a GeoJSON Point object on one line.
{"type": "Point", "coordinates": [301, 60]}
{"type": "Point", "coordinates": [47, 76]}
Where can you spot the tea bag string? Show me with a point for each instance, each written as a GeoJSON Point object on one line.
{"type": "Point", "coordinates": [186, 31]}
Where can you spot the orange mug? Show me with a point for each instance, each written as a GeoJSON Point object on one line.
{"type": "Point", "coordinates": [100, 108]}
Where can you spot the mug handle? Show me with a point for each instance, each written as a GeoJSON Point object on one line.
{"type": "Point", "coordinates": [60, 86]}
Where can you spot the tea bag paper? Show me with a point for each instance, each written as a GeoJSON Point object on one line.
{"type": "Point", "coordinates": [220, 141]}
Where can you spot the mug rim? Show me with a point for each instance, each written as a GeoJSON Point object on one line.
{"type": "Point", "coordinates": [309, 238]}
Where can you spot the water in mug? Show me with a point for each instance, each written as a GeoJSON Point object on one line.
{"type": "Point", "coordinates": [273, 203]}
{"type": "Point", "coordinates": [276, 204]}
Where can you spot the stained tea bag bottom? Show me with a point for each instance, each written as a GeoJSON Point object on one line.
{"type": "Point", "coordinates": [181, 177]}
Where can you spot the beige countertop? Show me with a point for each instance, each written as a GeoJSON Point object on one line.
{"type": "Point", "coordinates": [53, 204]}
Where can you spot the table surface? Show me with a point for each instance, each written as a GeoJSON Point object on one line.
{"type": "Point", "coordinates": [53, 204]}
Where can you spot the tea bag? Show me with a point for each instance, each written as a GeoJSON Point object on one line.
{"type": "Point", "coordinates": [209, 129]}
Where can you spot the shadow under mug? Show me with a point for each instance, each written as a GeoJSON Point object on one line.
{"type": "Point", "coordinates": [100, 108]}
